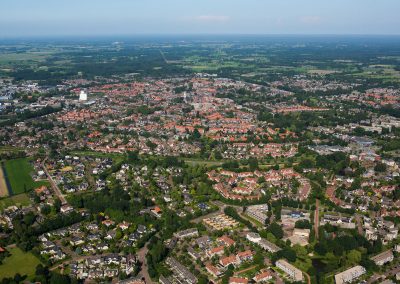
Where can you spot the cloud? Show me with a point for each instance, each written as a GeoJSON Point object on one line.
{"type": "Point", "coordinates": [310, 20]}
{"type": "Point", "coordinates": [209, 18]}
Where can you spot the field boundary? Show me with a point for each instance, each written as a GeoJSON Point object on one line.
{"type": "Point", "coordinates": [5, 188]}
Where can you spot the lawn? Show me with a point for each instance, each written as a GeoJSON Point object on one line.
{"type": "Point", "coordinates": [194, 162]}
{"type": "Point", "coordinates": [19, 262]}
{"type": "Point", "coordinates": [18, 200]}
{"type": "Point", "coordinates": [18, 172]}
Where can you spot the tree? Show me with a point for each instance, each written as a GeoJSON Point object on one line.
{"type": "Point", "coordinates": [380, 167]}
{"type": "Point", "coordinates": [302, 224]}
{"type": "Point", "coordinates": [46, 209]}
{"type": "Point", "coordinates": [253, 164]}
{"type": "Point", "coordinates": [59, 279]}
{"type": "Point", "coordinates": [57, 204]}
{"type": "Point", "coordinates": [276, 230]}
{"type": "Point", "coordinates": [353, 257]}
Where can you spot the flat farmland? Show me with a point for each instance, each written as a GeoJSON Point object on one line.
{"type": "Point", "coordinates": [18, 172]}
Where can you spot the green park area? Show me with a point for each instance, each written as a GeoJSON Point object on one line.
{"type": "Point", "coordinates": [19, 262]}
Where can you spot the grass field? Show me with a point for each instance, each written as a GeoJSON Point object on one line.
{"type": "Point", "coordinates": [18, 200]}
{"type": "Point", "coordinates": [19, 262]}
{"type": "Point", "coordinates": [3, 185]}
{"type": "Point", "coordinates": [195, 162]}
{"type": "Point", "coordinates": [18, 173]}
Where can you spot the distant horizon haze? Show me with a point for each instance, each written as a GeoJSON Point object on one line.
{"type": "Point", "coordinates": [49, 18]}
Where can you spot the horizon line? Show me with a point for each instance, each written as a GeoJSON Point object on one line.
{"type": "Point", "coordinates": [49, 36]}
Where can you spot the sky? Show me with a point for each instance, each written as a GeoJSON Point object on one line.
{"type": "Point", "coordinates": [19, 18]}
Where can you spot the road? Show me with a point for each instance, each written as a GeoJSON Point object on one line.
{"type": "Point", "coordinates": [143, 269]}
{"type": "Point", "coordinates": [316, 219]}
{"type": "Point", "coordinates": [56, 190]}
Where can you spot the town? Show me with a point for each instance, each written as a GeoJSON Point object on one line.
{"type": "Point", "coordinates": [200, 178]}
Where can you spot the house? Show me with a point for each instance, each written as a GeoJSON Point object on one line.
{"type": "Point", "coordinates": [225, 240]}
{"type": "Point", "coordinates": [111, 235]}
{"type": "Point", "coordinates": [226, 261]}
{"type": "Point", "coordinates": [123, 226]}
{"type": "Point", "coordinates": [193, 253]}
{"type": "Point", "coordinates": [216, 251]}
{"type": "Point", "coordinates": [108, 222]}
{"type": "Point", "coordinates": [237, 280]}
{"type": "Point", "coordinates": [293, 272]}
{"type": "Point", "coordinates": [189, 233]}
{"type": "Point", "coordinates": [156, 211]}
{"type": "Point", "coordinates": [262, 277]}
{"type": "Point", "coordinates": [349, 275]}
{"type": "Point", "coordinates": [246, 255]}
{"type": "Point", "coordinates": [203, 242]}
{"type": "Point", "coordinates": [141, 229]}
{"type": "Point", "coordinates": [66, 209]}
{"type": "Point", "coordinates": [382, 258]}
{"type": "Point", "coordinates": [76, 241]}
{"type": "Point", "coordinates": [214, 271]}
{"type": "Point", "coordinates": [180, 271]}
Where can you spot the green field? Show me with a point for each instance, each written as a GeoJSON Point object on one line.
{"type": "Point", "coordinates": [19, 262]}
{"type": "Point", "coordinates": [17, 200]}
{"type": "Point", "coordinates": [18, 173]}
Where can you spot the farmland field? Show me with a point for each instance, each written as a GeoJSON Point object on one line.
{"type": "Point", "coordinates": [18, 173]}
{"type": "Point", "coordinates": [19, 262]}
{"type": "Point", "coordinates": [3, 184]}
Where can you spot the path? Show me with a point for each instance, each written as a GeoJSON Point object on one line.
{"type": "Point", "coordinates": [308, 277]}
{"type": "Point", "coordinates": [359, 224]}
{"type": "Point", "coordinates": [246, 269]}
{"type": "Point", "coordinates": [143, 269]}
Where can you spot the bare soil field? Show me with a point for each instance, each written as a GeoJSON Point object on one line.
{"type": "Point", "coordinates": [3, 185]}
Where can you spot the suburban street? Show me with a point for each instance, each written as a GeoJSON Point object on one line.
{"type": "Point", "coordinates": [143, 269]}
{"type": "Point", "coordinates": [56, 190]}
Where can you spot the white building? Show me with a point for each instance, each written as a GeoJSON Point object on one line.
{"type": "Point", "coordinates": [83, 96]}
{"type": "Point", "coordinates": [289, 269]}
{"type": "Point", "coordinates": [349, 275]}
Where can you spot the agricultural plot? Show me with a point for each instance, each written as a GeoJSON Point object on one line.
{"type": "Point", "coordinates": [18, 173]}
{"type": "Point", "coordinates": [3, 184]}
